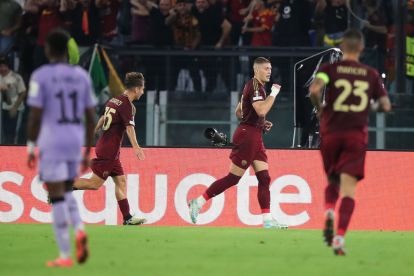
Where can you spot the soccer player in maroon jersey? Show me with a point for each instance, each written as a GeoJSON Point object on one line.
{"type": "Point", "coordinates": [350, 88]}
{"type": "Point", "coordinates": [248, 149]}
{"type": "Point", "coordinates": [117, 119]}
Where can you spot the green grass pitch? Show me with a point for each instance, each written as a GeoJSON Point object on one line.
{"type": "Point", "coordinates": [199, 251]}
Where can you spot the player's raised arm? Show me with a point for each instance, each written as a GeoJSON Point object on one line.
{"type": "Point", "coordinates": [263, 107]}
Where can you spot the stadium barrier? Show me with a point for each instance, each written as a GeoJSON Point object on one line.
{"type": "Point", "coordinates": [160, 186]}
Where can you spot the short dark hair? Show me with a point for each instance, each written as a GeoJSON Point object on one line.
{"type": "Point", "coordinates": [4, 60]}
{"type": "Point", "coordinates": [133, 79]}
{"type": "Point", "coordinates": [261, 60]}
{"type": "Point", "coordinates": [352, 40]}
{"type": "Point", "coordinates": [57, 40]}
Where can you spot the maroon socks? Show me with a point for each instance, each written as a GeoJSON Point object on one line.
{"type": "Point", "coordinates": [124, 207]}
{"type": "Point", "coordinates": [345, 213]}
{"type": "Point", "coordinates": [263, 193]}
{"type": "Point", "coordinates": [331, 196]}
{"type": "Point", "coordinates": [221, 185]}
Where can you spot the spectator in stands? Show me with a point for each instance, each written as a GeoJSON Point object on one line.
{"type": "Point", "coordinates": [215, 30]}
{"type": "Point", "coordinates": [141, 21]}
{"type": "Point", "coordinates": [409, 51]}
{"type": "Point", "coordinates": [50, 17]}
{"type": "Point", "coordinates": [108, 13]}
{"type": "Point", "coordinates": [236, 11]}
{"type": "Point", "coordinates": [335, 18]}
{"type": "Point", "coordinates": [375, 32]}
{"type": "Point", "coordinates": [161, 36]}
{"type": "Point", "coordinates": [13, 91]}
{"type": "Point", "coordinates": [293, 24]}
{"type": "Point", "coordinates": [10, 16]}
{"type": "Point", "coordinates": [27, 42]}
{"type": "Point", "coordinates": [262, 19]}
{"type": "Point", "coordinates": [84, 23]}
{"type": "Point", "coordinates": [186, 28]}
{"type": "Point", "coordinates": [161, 33]}
{"type": "Point", "coordinates": [186, 32]}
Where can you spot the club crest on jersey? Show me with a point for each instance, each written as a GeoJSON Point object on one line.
{"type": "Point", "coordinates": [105, 174]}
{"type": "Point", "coordinates": [257, 96]}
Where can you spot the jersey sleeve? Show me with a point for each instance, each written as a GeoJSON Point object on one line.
{"type": "Point", "coordinates": [379, 87]}
{"type": "Point", "coordinates": [323, 73]}
{"type": "Point", "coordinates": [36, 97]}
{"type": "Point", "coordinates": [254, 92]}
{"type": "Point", "coordinates": [127, 114]}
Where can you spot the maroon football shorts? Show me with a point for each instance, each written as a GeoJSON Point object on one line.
{"type": "Point", "coordinates": [247, 146]}
{"type": "Point", "coordinates": [344, 152]}
{"type": "Point", "coordinates": [105, 168]}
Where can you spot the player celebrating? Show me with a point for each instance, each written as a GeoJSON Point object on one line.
{"type": "Point", "coordinates": [350, 86]}
{"type": "Point", "coordinates": [60, 96]}
{"type": "Point", "coordinates": [117, 119]}
{"type": "Point", "coordinates": [248, 146]}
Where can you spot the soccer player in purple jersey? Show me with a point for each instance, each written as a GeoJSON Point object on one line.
{"type": "Point", "coordinates": [117, 119]}
{"type": "Point", "coordinates": [350, 88]}
{"type": "Point", "coordinates": [61, 97]}
{"type": "Point", "coordinates": [248, 149]}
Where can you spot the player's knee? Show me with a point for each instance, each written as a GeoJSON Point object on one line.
{"type": "Point", "coordinates": [347, 191]}
{"type": "Point", "coordinates": [122, 184]}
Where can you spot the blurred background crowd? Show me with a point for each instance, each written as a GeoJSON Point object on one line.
{"type": "Point", "coordinates": [193, 26]}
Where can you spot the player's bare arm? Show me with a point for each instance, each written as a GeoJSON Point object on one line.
{"type": "Point", "coordinates": [316, 92]}
{"type": "Point", "coordinates": [382, 105]}
{"type": "Point", "coordinates": [238, 111]}
{"type": "Point", "coordinates": [33, 128]}
{"type": "Point", "coordinates": [89, 123]}
{"type": "Point", "coordinates": [99, 124]}
{"type": "Point", "coordinates": [130, 130]}
{"type": "Point", "coordinates": [263, 107]}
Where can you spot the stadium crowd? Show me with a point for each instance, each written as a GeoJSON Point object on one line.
{"type": "Point", "coordinates": [190, 25]}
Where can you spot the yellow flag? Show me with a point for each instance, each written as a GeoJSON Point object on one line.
{"type": "Point", "coordinates": [116, 87]}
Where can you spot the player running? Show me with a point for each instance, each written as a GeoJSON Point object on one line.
{"type": "Point", "coordinates": [350, 87]}
{"type": "Point", "coordinates": [117, 119]}
{"type": "Point", "coordinates": [60, 97]}
{"type": "Point", "coordinates": [248, 149]}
